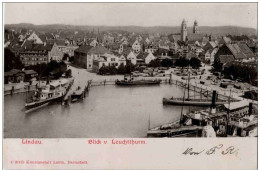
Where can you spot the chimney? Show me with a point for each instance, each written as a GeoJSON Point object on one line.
{"type": "Point", "coordinates": [213, 105]}
{"type": "Point", "coordinates": [250, 109]}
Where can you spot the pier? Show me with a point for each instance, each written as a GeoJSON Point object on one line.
{"type": "Point", "coordinates": [197, 89]}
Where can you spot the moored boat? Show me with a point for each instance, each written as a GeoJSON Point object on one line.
{"type": "Point", "coordinates": [43, 96]}
{"type": "Point", "coordinates": [191, 102]}
{"type": "Point", "coordinates": [131, 82]}
{"type": "Point", "coordinates": [77, 94]}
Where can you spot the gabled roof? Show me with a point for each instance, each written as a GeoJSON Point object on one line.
{"type": "Point", "coordinates": [83, 49]}
{"type": "Point", "coordinates": [240, 51]}
{"type": "Point", "coordinates": [99, 50]}
{"type": "Point", "coordinates": [213, 44]}
{"type": "Point", "coordinates": [37, 47]}
{"type": "Point", "coordinates": [58, 42]}
{"type": "Point", "coordinates": [127, 51]}
{"type": "Point", "coordinates": [226, 58]}
{"type": "Point", "coordinates": [12, 72]}
{"type": "Point", "coordinates": [142, 55]}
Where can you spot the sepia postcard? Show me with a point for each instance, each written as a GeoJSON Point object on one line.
{"type": "Point", "coordinates": [130, 85]}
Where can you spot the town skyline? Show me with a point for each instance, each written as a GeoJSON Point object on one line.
{"type": "Point", "coordinates": [147, 17]}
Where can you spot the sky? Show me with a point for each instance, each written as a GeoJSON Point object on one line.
{"type": "Point", "coordinates": [137, 14]}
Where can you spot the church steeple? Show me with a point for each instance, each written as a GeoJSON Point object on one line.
{"type": "Point", "coordinates": [195, 27]}
{"type": "Point", "coordinates": [184, 30]}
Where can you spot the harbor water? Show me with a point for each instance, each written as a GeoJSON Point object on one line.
{"type": "Point", "coordinates": [106, 112]}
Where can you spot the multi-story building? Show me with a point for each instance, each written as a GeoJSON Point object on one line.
{"type": "Point", "coordinates": [106, 60]}
{"type": "Point", "coordinates": [40, 53]}
{"type": "Point", "coordinates": [85, 55]}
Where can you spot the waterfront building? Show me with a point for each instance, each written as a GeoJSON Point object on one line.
{"type": "Point", "coordinates": [14, 76]}
{"type": "Point", "coordinates": [106, 60]}
{"type": "Point", "coordinates": [34, 54]}
{"type": "Point", "coordinates": [131, 56]}
{"type": "Point", "coordinates": [85, 55]}
{"type": "Point", "coordinates": [145, 58]}
{"type": "Point", "coordinates": [239, 51]}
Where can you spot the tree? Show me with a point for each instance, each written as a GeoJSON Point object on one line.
{"type": "Point", "coordinates": [68, 73]}
{"type": "Point", "coordinates": [129, 67]}
{"type": "Point", "coordinates": [195, 62]}
{"type": "Point", "coordinates": [217, 65]}
{"type": "Point", "coordinates": [103, 70]}
{"type": "Point", "coordinates": [71, 59]}
{"type": "Point", "coordinates": [41, 69]}
{"type": "Point", "coordinates": [247, 74]}
{"type": "Point", "coordinates": [11, 61]}
{"type": "Point", "coordinates": [155, 63]}
{"type": "Point", "coordinates": [65, 57]}
{"type": "Point", "coordinates": [182, 62]}
{"type": "Point", "coordinates": [121, 69]}
{"type": "Point", "coordinates": [166, 63]}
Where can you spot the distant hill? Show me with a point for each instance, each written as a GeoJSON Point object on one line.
{"type": "Point", "coordinates": [217, 30]}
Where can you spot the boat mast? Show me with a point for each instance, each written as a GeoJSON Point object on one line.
{"type": "Point", "coordinates": [228, 112]}
{"type": "Point", "coordinates": [149, 122]}
{"type": "Point", "coordinates": [189, 80]}
{"type": "Point", "coordinates": [182, 108]}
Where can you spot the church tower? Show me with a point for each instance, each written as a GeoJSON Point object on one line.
{"type": "Point", "coordinates": [195, 27]}
{"type": "Point", "coordinates": [184, 30]}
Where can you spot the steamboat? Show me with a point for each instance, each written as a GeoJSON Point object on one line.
{"type": "Point", "coordinates": [52, 92]}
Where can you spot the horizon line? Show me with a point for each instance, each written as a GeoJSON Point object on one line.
{"type": "Point", "coordinates": [127, 25]}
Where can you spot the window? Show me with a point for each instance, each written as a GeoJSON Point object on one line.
{"type": "Point", "coordinates": [113, 59]}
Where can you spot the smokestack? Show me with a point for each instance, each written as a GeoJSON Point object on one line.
{"type": "Point", "coordinates": [250, 109]}
{"type": "Point", "coordinates": [213, 105]}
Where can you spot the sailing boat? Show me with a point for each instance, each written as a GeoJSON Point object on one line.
{"type": "Point", "coordinates": [192, 124]}
{"type": "Point", "coordinates": [179, 128]}
{"type": "Point", "coordinates": [191, 101]}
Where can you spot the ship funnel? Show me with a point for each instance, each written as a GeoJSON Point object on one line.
{"type": "Point", "coordinates": [250, 109]}
{"type": "Point", "coordinates": [213, 104]}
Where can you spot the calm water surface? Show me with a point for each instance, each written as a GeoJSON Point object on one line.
{"type": "Point", "coordinates": [107, 111]}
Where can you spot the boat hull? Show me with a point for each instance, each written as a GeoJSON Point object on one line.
{"type": "Point", "coordinates": [39, 104]}
{"type": "Point", "coordinates": [186, 131]}
{"type": "Point", "coordinates": [138, 82]}
{"type": "Point", "coordinates": [179, 102]}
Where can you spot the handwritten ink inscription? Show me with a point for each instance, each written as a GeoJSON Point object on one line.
{"type": "Point", "coordinates": [219, 149]}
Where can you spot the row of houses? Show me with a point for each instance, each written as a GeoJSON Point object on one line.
{"type": "Point", "coordinates": [93, 58]}
{"type": "Point", "coordinates": [34, 48]}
